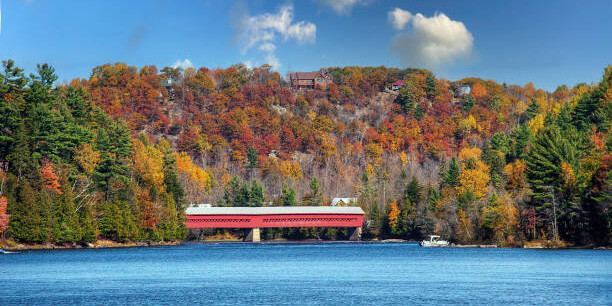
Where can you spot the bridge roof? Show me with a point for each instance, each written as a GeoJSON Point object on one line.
{"type": "Point", "coordinates": [275, 210]}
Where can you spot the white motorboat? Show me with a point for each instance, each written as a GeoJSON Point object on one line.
{"type": "Point", "coordinates": [434, 241]}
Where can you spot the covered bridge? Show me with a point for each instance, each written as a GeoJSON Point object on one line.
{"type": "Point", "coordinates": [255, 218]}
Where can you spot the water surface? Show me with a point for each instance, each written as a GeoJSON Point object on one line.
{"type": "Point", "coordinates": [306, 274]}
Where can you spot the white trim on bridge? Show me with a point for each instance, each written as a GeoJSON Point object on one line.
{"type": "Point", "coordinates": [275, 210]}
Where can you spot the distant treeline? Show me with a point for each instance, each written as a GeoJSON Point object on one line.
{"type": "Point", "coordinates": [121, 154]}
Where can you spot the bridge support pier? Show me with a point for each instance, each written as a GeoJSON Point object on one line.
{"type": "Point", "coordinates": [253, 235]}
{"type": "Point", "coordinates": [355, 234]}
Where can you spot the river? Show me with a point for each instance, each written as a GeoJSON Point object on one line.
{"type": "Point", "coordinates": [306, 274]}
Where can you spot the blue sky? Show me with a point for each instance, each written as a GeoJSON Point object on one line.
{"type": "Point", "coordinates": [547, 42]}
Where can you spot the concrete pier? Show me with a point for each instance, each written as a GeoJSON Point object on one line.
{"type": "Point", "coordinates": [253, 235]}
{"type": "Point", "coordinates": [356, 234]}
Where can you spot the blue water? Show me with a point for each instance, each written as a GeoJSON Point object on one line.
{"type": "Point", "coordinates": [306, 274]}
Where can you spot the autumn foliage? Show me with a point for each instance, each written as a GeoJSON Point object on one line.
{"type": "Point", "coordinates": [121, 154]}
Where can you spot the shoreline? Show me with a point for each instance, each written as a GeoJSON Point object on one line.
{"type": "Point", "coordinates": [100, 244]}
{"type": "Point", "coordinates": [106, 244]}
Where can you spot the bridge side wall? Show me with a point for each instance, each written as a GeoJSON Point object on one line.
{"type": "Point", "coordinates": [275, 220]}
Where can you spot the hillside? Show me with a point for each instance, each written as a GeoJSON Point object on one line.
{"type": "Point", "coordinates": [120, 154]}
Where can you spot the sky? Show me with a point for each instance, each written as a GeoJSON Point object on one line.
{"type": "Point", "coordinates": [545, 42]}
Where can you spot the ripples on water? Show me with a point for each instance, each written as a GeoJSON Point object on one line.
{"type": "Point", "coordinates": [306, 274]}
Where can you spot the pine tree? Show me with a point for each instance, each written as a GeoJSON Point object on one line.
{"type": "Point", "coordinates": [590, 109]}
{"type": "Point", "coordinates": [431, 86]}
{"type": "Point", "coordinates": [519, 139]}
{"type": "Point", "coordinates": [451, 178]}
{"type": "Point", "coordinates": [533, 109]}
{"type": "Point", "coordinates": [65, 220]}
{"type": "Point", "coordinates": [552, 171]}
{"type": "Point", "coordinates": [287, 197]}
{"type": "Point", "coordinates": [20, 157]}
{"type": "Point", "coordinates": [412, 193]}
{"type": "Point", "coordinates": [418, 112]}
{"type": "Point", "coordinates": [252, 158]}
{"type": "Point", "coordinates": [468, 103]}
{"type": "Point", "coordinates": [315, 192]}
{"type": "Point", "coordinates": [405, 98]}
{"type": "Point", "coordinates": [256, 195]}
{"type": "Point", "coordinates": [26, 223]}
{"type": "Point", "coordinates": [89, 228]}
{"type": "Point", "coordinates": [236, 193]}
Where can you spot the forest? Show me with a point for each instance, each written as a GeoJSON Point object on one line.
{"type": "Point", "coordinates": [121, 154]}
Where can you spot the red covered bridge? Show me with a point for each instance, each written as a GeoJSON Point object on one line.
{"type": "Point", "coordinates": [279, 216]}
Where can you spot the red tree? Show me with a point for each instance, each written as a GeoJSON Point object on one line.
{"type": "Point", "coordinates": [4, 218]}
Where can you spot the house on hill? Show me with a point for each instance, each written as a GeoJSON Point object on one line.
{"type": "Point", "coordinates": [310, 80]}
{"type": "Point", "coordinates": [464, 89]}
{"type": "Point", "coordinates": [397, 85]}
{"type": "Point", "coordinates": [343, 201]}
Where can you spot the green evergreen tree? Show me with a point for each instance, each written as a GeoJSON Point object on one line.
{"type": "Point", "coordinates": [26, 223]}
{"type": "Point", "coordinates": [405, 98]}
{"type": "Point", "coordinates": [552, 192]}
{"type": "Point", "coordinates": [431, 86]}
{"type": "Point", "coordinates": [88, 225]}
{"type": "Point", "coordinates": [451, 178]}
{"type": "Point", "coordinates": [256, 195]}
{"type": "Point", "coordinates": [533, 109]}
{"type": "Point", "coordinates": [65, 226]}
{"type": "Point", "coordinates": [20, 156]}
{"type": "Point", "coordinates": [287, 197]}
{"type": "Point", "coordinates": [519, 139]}
{"type": "Point", "coordinates": [117, 222]}
{"type": "Point", "coordinates": [315, 192]}
{"type": "Point", "coordinates": [496, 160]}
{"type": "Point", "coordinates": [468, 103]}
{"type": "Point", "coordinates": [412, 193]}
{"type": "Point", "coordinates": [418, 112]}
{"type": "Point", "coordinates": [236, 193]}
{"type": "Point", "coordinates": [252, 158]}
{"type": "Point", "coordinates": [434, 197]}
{"type": "Point", "coordinates": [500, 142]}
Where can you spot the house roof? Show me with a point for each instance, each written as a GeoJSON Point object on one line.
{"type": "Point", "coordinates": [398, 82]}
{"type": "Point", "coordinates": [279, 210]}
{"type": "Point", "coordinates": [303, 75]}
{"type": "Point", "coordinates": [335, 201]}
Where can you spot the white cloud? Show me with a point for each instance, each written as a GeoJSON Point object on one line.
{"type": "Point", "coordinates": [399, 18]}
{"type": "Point", "coordinates": [265, 27]}
{"type": "Point", "coordinates": [264, 31]}
{"type": "Point", "coordinates": [432, 41]}
{"type": "Point", "coordinates": [267, 47]}
{"type": "Point", "coordinates": [186, 63]}
{"type": "Point", "coordinates": [273, 61]}
{"type": "Point", "coordinates": [342, 7]}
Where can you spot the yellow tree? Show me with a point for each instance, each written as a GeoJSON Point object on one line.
{"type": "Point", "coordinates": [393, 216]}
{"type": "Point", "coordinates": [464, 225]}
{"type": "Point", "coordinates": [196, 181]}
{"type": "Point", "coordinates": [537, 123]}
{"type": "Point", "coordinates": [86, 157]}
{"type": "Point", "coordinates": [148, 165]}
{"type": "Point", "coordinates": [515, 173]}
{"type": "Point", "coordinates": [474, 174]}
{"type": "Point", "coordinates": [502, 217]}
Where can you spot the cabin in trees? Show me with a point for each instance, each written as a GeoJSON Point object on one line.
{"type": "Point", "coordinates": [343, 201]}
{"type": "Point", "coordinates": [397, 85]}
{"type": "Point", "coordinates": [464, 89]}
{"type": "Point", "coordinates": [310, 80]}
